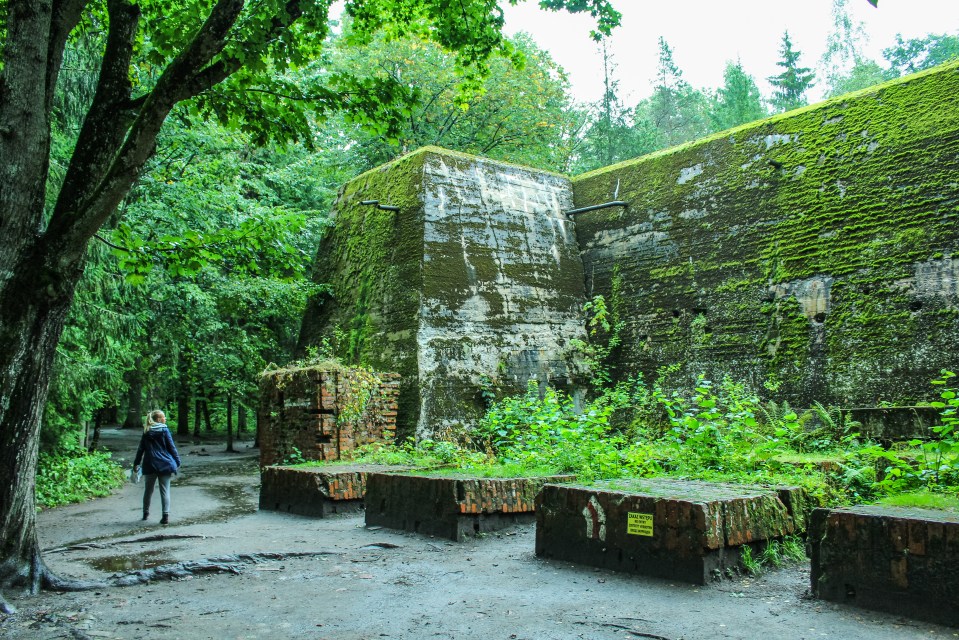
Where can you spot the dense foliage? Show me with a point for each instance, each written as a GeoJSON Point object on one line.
{"type": "Point", "coordinates": [74, 475]}
{"type": "Point", "coordinates": [715, 431]}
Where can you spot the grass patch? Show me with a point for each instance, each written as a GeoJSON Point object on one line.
{"type": "Point", "coordinates": [815, 458]}
{"type": "Point", "coordinates": [499, 470]}
{"type": "Point", "coordinates": [922, 499]}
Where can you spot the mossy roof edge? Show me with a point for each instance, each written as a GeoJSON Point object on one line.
{"type": "Point", "coordinates": [757, 124]}
{"type": "Point", "coordinates": [449, 153]}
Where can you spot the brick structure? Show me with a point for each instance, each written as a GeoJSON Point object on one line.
{"type": "Point", "coordinates": [317, 491]}
{"type": "Point", "coordinates": [324, 412]}
{"type": "Point", "coordinates": [451, 507]}
{"type": "Point", "coordinates": [896, 559]}
{"type": "Point", "coordinates": [683, 530]}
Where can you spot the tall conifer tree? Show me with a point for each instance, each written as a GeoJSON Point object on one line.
{"type": "Point", "coordinates": [738, 101]}
{"type": "Point", "coordinates": [792, 84]}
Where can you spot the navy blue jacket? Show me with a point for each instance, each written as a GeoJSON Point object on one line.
{"type": "Point", "coordinates": [157, 451]}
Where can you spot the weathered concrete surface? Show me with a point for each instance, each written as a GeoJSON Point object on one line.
{"type": "Point", "coordinates": [817, 250]}
{"type": "Point", "coordinates": [895, 559]}
{"type": "Point", "coordinates": [502, 286]}
{"type": "Point", "coordinates": [683, 530]}
{"type": "Point", "coordinates": [894, 424]}
{"type": "Point", "coordinates": [317, 491]}
{"type": "Point", "coordinates": [449, 506]}
{"type": "Point", "coordinates": [324, 413]}
{"type": "Point", "coordinates": [470, 290]}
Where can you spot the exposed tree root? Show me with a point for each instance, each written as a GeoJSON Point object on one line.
{"type": "Point", "coordinates": [106, 545]}
{"type": "Point", "coordinates": [233, 564]}
{"type": "Point", "coordinates": [42, 578]}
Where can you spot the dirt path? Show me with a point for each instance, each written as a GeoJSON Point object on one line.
{"type": "Point", "coordinates": [362, 583]}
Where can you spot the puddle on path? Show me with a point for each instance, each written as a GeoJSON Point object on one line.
{"type": "Point", "coordinates": [131, 562]}
{"type": "Point", "coordinates": [243, 467]}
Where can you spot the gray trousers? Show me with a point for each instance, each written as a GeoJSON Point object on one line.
{"type": "Point", "coordinates": [149, 480]}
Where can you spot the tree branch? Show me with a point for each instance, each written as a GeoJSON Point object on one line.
{"type": "Point", "coordinates": [110, 244]}
{"type": "Point", "coordinates": [105, 126]}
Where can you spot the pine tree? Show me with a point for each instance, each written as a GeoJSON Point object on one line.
{"type": "Point", "coordinates": [793, 83]}
{"type": "Point", "coordinates": [677, 110]}
{"type": "Point", "coordinates": [738, 101]}
{"type": "Point", "coordinates": [611, 137]}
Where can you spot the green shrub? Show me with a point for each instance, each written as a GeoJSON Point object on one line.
{"type": "Point", "coordinates": [547, 432]}
{"type": "Point", "coordinates": [73, 475]}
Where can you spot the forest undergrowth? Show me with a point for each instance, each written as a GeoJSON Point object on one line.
{"type": "Point", "coordinates": [716, 431]}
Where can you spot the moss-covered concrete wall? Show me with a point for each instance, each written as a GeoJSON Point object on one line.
{"type": "Point", "coordinates": [815, 252]}
{"type": "Point", "coordinates": [502, 286]}
{"type": "Point", "coordinates": [468, 291]}
{"type": "Point", "coordinates": [371, 260]}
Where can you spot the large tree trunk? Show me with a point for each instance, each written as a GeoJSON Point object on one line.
{"type": "Point", "coordinates": [41, 256]}
{"type": "Point", "coordinates": [33, 308]}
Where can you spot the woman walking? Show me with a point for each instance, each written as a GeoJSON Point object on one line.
{"type": "Point", "coordinates": [160, 461]}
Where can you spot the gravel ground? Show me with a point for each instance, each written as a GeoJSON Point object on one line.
{"type": "Point", "coordinates": [350, 582]}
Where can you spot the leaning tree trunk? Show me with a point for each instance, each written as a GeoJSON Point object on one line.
{"type": "Point", "coordinates": [42, 249]}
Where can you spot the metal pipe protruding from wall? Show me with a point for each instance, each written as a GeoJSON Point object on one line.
{"type": "Point", "coordinates": [376, 203]}
{"type": "Point", "coordinates": [614, 203]}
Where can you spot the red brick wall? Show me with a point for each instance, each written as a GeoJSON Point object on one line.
{"type": "Point", "coordinates": [324, 413]}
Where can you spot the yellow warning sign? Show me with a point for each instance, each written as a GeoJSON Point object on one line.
{"type": "Point", "coordinates": [639, 524]}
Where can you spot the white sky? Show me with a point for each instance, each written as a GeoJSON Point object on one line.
{"type": "Point", "coordinates": [704, 34]}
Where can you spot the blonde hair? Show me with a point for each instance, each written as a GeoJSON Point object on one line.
{"type": "Point", "coordinates": [153, 418]}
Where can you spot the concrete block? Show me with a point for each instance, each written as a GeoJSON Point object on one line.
{"type": "Point", "coordinates": [451, 507]}
{"type": "Point", "coordinates": [317, 491]}
{"type": "Point", "coordinates": [684, 530]}
{"type": "Point", "coordinates": [895, 559]}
